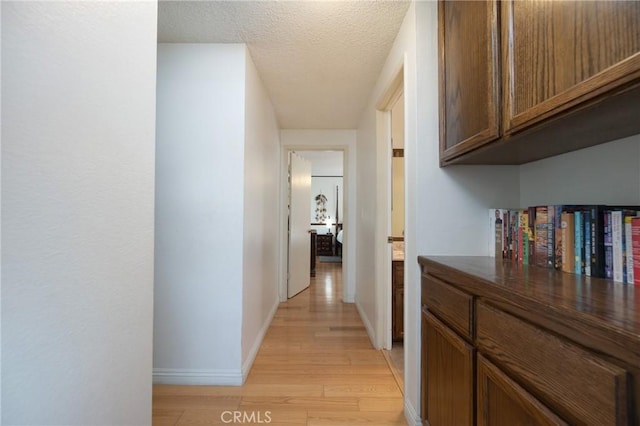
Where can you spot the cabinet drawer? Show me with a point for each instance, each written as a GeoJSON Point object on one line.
{"type": "Point", "coordinates": [578, 385]}
{"type": "Point", "coordinates": [453, 306]}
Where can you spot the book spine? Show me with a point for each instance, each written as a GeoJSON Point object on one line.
{"type": "Point", "coordinates": [567, 242]}
{"type": "Point", "coordinates": [616, 235]}
{"type": "Point", "coordinates": [608, 246]}
{"type": "Point", "coordinates": [541, 236]}
{"type": "Point", "coordinates": [491, 247]}
{"type": "Point", "coordinates": [513, 235]}
{"type": "Point", "coordinates": [597, 242]}
{"type": "Point", "coordinates": [521, 237]}
{"type": "Point", "coordinates": [505, 234]}
{"type": "Point", "coordinates": [586, 216]}
{"type": "Point", "coordinates": [532, 235]}
{"type": "Point", "coordinates": [557, 237]}
{"type": "Point", "coordinates": [496, 233]}
{"type": "Point", "coordinates": [577, 221]}
{"type": "Point", "coordinates": [526, 235]}
{"type": "Point", "coordinates": [550, 234]}
{"type": "Point", "coordinates": [628, 249]}
{"type": "Point", "coordinates": [635, 244]}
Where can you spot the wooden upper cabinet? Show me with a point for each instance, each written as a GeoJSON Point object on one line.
{"type": "Point", "coordinates": [559, 54]}
{"type": "Point", "coordinates": [468, 70]}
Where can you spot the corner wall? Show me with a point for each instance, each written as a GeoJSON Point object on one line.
{"type": "Point", "coordinates": [199, 214]}
{"type": "Point", "coordinates": [78, 123]}
{"type": "Point", "coordinates": [261, 224]}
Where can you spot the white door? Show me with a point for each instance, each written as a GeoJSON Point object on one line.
{"type": "Point", "coordinates": [299, 224]}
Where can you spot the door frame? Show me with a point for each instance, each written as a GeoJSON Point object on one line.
{"type": "Point", "coordinates": [348, 249]}
{"type": "Point", "coordinates": [384, 253]}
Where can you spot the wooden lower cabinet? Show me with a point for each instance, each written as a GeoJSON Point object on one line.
{"type": "Point", "coordinates": [501, 401]}
{"type": "Point", "coordinates": [398, 314]}
{"type": "Point", "coordinates": [499, 351]}
{"type": "Point", "coordinates": [397, 302]}
{"type": "Point", "coordinates": [448, 375]}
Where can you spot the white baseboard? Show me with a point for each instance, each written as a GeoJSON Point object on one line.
{"type": "Point", "coordinates": [367, 325]}
{"type": "Point", "coordinates": [246, 366]}
{"type": "Point", "coordinates": [349, 298]}
{"type": "Point", "coordinates": [410, 414]}
{"type": "Point", "coordinates": [179, 376]}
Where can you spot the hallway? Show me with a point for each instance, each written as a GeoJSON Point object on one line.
{"type": "Point", "coordinates": [316, 366]}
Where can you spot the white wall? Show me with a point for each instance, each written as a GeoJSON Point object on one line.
{"type": "Point", "coordinates": [0, 227]}
{"type": "Point", "coordinates": [78, 112]}
{"type": "Point", "coordinates": [603, 174]}
{"type": "Point", "coordinates": [397, 168]}
{"type": "Point", "coordinates": [261, 225]}
{"type": "Point", "coordinates": [199, 213]}
{"type": "Point", "coordinates": [445, 208]}
{"type": "Point", "coordinates": [326, 185]}
{"type": "Point", "coordinates": [325, 163]}
{"type": "Point", "coordinates": [328, 140]}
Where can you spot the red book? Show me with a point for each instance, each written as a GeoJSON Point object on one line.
{"type": "Point", "coordinates": [635, 243]}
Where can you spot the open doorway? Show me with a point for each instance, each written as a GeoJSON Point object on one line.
{"type": "Point", "coordinates": [326, 219]}
{"type": "Point", "coordinates": [397, 214]}
{"type": "Point", "coordinates": [390, 265]}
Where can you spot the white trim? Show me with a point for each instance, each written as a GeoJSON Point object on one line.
{"type": "Point", "coordinates": [383, 204]}
{"type": "Point", "coordinates": [349, 297]}
{"type": "Point", "coordinates": [367, 325]}
{"type": "Point", "coordinates": [180, 376]}
{"type": "Point", "coordinates": [248, 363]}
{"type": "Point", "coordinates": [410, 414]}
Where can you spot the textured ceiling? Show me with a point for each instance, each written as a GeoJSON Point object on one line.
{"type": "Point", "coordinates": [319, 60]}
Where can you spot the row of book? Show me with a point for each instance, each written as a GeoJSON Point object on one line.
{"type": "Point", "coordinates": [594, 240]}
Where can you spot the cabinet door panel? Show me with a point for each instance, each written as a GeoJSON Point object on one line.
{"type": "Point", "coordinates": [564, 375]}
{"type": "Point", "coordinates": [562, 53]}
{"type": "Point", "coordinates": [449, 375]}
{"type": "Point", "coordinates": [468, 37]}
{"type": "Point", "coordinates": [501, 401]}
{"type": "Point", "coordinates": [398, 314]}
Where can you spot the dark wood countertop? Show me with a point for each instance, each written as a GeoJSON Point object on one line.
{"type": "Point", "coordinates": [597, 309]}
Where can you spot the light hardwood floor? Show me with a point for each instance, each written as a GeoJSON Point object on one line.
{"type": "Point", "coordinates": [316, 366]}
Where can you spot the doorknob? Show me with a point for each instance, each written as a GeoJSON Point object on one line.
{"type": "Point", "coordinates": [389, 240]}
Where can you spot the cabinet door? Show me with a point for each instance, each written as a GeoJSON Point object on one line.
{"type": "Point", "coordinates": [501, 401]}
{"type": "Point", "coordinates": [448, 374]}
{"type": "Point", "coordinates": [562, 53]}
{"type": "Point", "coordinates": [398, 314]}
{"type": "Point", "coordinates": [468, 43]}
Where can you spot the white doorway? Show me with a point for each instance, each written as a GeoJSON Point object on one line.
{"type": "Point", "coordinates": [396, 236]}
{"type": "Point", "coordinates": [390, 222]}
{"type": "Point", "coordinates": [328, 180]}
{"type": "Point", "coordinates": [391, 206]}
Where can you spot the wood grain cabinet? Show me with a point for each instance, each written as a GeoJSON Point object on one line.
{"type": "Point", "coordinates": [469, 97]}
{"type": "Point", "coordinates": [501, 401]}
{"type": "Point", "coordinates": [448, 374]}
{"type": "Point", "coordinates": [397, 302]}
{"type": "Point", "coordinates": [512, 345]}
{"type": "Point", "coordinates": [562, 53]}
{"type": "Point", "coordinates": [522, 80]}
